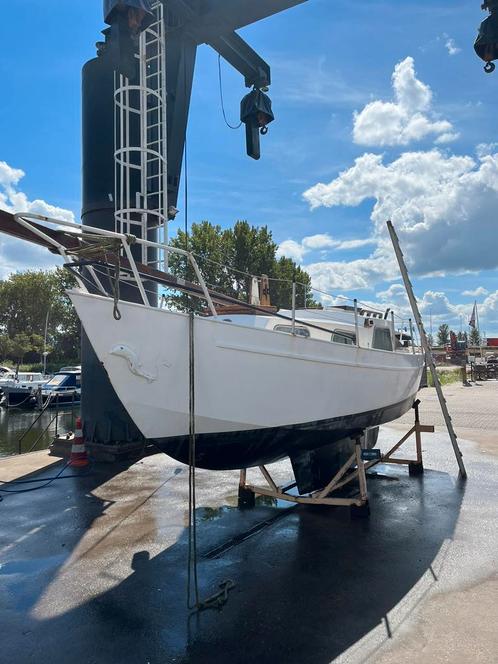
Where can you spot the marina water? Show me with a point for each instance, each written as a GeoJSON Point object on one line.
{"type": "Point", "coordinates": [14, 423]}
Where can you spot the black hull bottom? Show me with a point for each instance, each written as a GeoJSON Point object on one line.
{"type": "Point", "coordinates": [255, 447]}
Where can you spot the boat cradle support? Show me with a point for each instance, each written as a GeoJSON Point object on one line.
{"type": "Point", "coordinates": [353, 469]}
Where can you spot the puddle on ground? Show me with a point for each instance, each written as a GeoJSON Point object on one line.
{"type": "Point", "coordinates": [213, 513]}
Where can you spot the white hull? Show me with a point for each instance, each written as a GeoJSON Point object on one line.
{"type": "Point", "coordinates": [246, 379]}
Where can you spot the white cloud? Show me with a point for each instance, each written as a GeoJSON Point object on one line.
{"type": "Point", "coordinates": [291, 249]}
{"type": "Point", "coordinates": [319, 242]}
{"type": "Point", "coordinates": [394, 295]}
{"type": "Point", "coordinates": [16, 254]}
{"type": "Point", "coordinates": [355, 244]}
{"type": "Point", "coordinates": [447, 137]}
{"type": "Point", "coordinates": [488, 314]}
{"type": "Point", "coordinates": [406, 119]}
{"type": "Point", "coordinates": [442, 206]}
{"type": "Point", "coordinates": [319, 83]}
{"type": "Point", "coordinates": [359, 274]}
{"type": "Point", "coordinates": [485, 149]}
{"type": "Point", "coordinates": [451, 45]}
{"type": "Point", "coordinates": [476, 293]}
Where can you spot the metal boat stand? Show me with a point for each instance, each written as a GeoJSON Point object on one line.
{"type": "Point", "coordinates": [354, 468]}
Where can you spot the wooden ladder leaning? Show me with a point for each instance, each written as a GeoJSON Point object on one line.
{"type": "Point", "coordinates": [427, 351]}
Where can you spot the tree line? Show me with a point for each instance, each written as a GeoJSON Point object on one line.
{"type": "Point", "coordinates": [31, 303]}
{"type": "Point", "coordinates": [226, 256]}
{"type": "Point", "coordinates": [443, 337]}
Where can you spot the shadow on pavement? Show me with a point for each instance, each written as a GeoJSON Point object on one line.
{"type": "Point", "coordinates": [307, 587]}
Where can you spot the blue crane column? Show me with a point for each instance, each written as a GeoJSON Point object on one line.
{"type": "Point", "coordinates": [189, 23]}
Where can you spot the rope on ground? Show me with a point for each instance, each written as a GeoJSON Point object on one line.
{"type": "Point", "coordinates": [219, 599]}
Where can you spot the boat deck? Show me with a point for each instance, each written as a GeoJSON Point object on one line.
{"type": "Point", "coordinates": [93, 568]}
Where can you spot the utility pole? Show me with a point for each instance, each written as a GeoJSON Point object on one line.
{"type": "Point", "coordinates": [45, 353]}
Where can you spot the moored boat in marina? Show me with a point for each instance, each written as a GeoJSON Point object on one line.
{"type": "Point", "coordinates": [19, 389]}
{"type": "Point", "coordinates": [34, 390]}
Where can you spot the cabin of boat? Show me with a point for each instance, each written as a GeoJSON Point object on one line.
{"type": "Point", "coordinates": [63, 388]}
{"type": "Point", "coordinates": [341, 325]}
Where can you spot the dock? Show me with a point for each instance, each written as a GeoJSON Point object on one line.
{"type": "Point", "coordinates": [93, 568]}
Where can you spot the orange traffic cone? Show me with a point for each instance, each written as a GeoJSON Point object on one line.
{"type": "Point", "coordinates": [79, 456]}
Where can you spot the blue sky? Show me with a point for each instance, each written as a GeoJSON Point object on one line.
{"type": "Point", "coordinates": [421, 151]}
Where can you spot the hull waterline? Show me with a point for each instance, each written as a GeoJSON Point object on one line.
{"type": "Point", "coordinates": [256, 447]}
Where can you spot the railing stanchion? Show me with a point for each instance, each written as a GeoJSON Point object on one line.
{"type": "Point", "coordinates": [411, 335]}
{"type": "Point", "coordinates": [393, 331]}
{"type": "Point", "coordinates": [57, 415]}
{"type": "Point", "coordinates": [294, 306]}
{"type": "Point", "coordinates": [202, 283]}
{"type": "Point", "coordinates": [356, 325]}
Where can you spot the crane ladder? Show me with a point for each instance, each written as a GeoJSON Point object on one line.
{"type": "Point", "coordinates": [141, 191]}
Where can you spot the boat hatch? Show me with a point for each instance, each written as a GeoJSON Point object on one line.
{"type": "Point", "coordinates": [343, 337]}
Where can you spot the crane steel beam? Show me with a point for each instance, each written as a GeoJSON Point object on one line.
{"type": "Point", "coordinates": [208, 18]}
{"type": "Point", "coordinates": [243, 58]}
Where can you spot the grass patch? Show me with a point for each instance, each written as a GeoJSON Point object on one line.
{"type": "Point", "coordinates": [446, 377]}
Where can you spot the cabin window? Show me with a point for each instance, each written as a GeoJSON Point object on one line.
{"type": "Point", "coordinates": [382, 339]}
{"type": "Point", "coordinates": [299, 330]}
{"type": "Point", "coordinates": [341, 337]}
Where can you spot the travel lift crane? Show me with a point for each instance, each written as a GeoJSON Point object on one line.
{"type": "Point", "coordinates": [136, 98]}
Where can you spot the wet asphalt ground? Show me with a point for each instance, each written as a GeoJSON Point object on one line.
{"type": "Point", "coordinates": [93, 568]}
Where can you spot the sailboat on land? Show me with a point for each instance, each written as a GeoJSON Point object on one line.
{"type": "Point", "coordinates": [255, 385]}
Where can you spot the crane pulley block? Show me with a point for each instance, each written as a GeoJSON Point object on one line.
{"type": "Point", "coordinates": [256, 113]}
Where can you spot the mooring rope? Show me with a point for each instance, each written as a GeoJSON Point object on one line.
{"type": "Point", "coordinates": [97, 246]}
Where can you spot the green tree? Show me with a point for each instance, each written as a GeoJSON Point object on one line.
{"type": "Point", "coordinates": [20, 346]}
{"type": "Point", "coordinates": [246, 250]}
{"type": "Point", "coordinates": [281, 291]}
{"type": "Point", "coordinates": [5, 346]}
{"type": "Point", "coordinates": [65, 337]}
{"type": "Point", "coordinates": [475, 337]}
{"type": "Point", "coordinates": [443, 335]}
{"type": "Point", "coordinates": [27, 298]}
